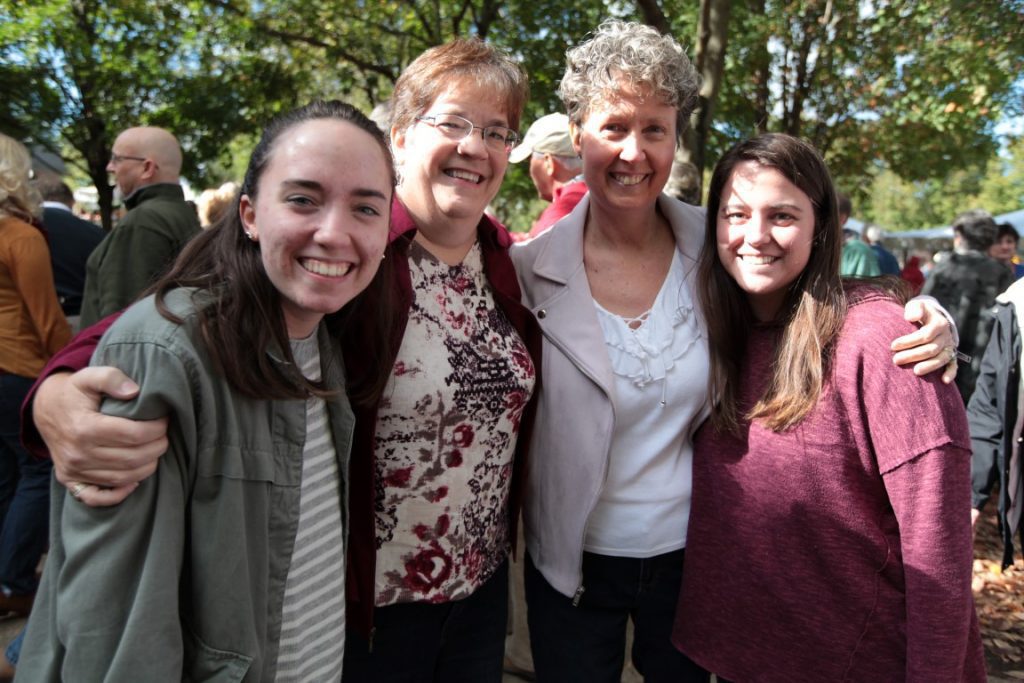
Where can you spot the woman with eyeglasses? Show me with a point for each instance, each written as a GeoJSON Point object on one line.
{"type": "Point", "coordinates": [440, 466]}
{"type": "Point", "coordinates": [32, 328]}
{"type": "Point", "coordinates": [438, 462]}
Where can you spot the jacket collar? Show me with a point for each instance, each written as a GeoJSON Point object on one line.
{"type": "Point", "coordinates": [147, 192]}
{"type": "Point", "coordinates": [562, 254]}
{"type": "Point", "coordinates": [490, 232]}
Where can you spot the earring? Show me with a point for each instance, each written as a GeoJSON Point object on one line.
{"type": "Point", "coordinates": [251, 236]}
{"type": "Point", "coordinates": [383, 255]}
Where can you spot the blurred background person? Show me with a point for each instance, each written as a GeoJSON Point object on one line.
{"type": "Point", "coordinates": [684, 182]}
{"type": "Point", "coordinates": [554, 168]}
{"type": "Point", "coordinates": [32, 328]}
{"type": "Point", "coordinates": [72, 240]}
{"type": "Point", "coordinates": [967, 284]}
{"type": "Point", "coordinates": [212, 203]}
{"type": "Point", "coordinates": [146, 165]}
{"type": "Point", "coordinates": [1004, 249]}
{"type": "Point", "coordinates": [887, 262]}
{"type": "Point", "coordinates": [858, 259]}
{"type": "Point", "coordinates": [912, 274]}
{"type": "Point", "coordinates": [994, 414]}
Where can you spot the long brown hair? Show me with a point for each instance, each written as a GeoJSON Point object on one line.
{"type": "Point", "coordinates": [243, 319]}
{"type": "Point", "coordinates": [814, 308]}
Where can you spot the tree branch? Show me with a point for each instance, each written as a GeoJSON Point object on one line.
{"type": "Point", "coordinates": [651, 11]}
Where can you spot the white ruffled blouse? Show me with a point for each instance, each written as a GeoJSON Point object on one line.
{"type": "Point", "coordinates": [660, 362]}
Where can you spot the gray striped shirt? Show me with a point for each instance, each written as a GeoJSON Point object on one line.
{"type": "Point", "coordinates": [313, 617]}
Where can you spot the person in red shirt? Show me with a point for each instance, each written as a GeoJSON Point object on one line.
{"type": "Point", "coordinates": [912, 274]}
{"type": "Point", "coordinates": [554, 167]}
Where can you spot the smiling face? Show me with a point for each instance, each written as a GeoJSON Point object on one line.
{"type": "Point", "coordinates": [446, 181]}
{"type": "Point", "coordinates": [320, 218]}
{"type": "Point", "coordinates": [627, 144]}
{"type": "Point", "coordinates": [765, 230]}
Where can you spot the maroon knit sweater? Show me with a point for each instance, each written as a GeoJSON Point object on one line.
{"type": "Point", "coordinates": [840, 549]}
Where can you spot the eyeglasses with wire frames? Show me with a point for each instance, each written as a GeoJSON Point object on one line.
{"type": "Point", "coordinates": [118, 158]}
{"type": "Point", "coordinates": [457, 128]}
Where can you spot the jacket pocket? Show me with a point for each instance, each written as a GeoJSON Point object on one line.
{"type": "Point", "coordinates": [274, 464]}
{"type": "Point", "coordinates": [205, 663]}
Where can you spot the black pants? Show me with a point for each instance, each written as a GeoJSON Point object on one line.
{"type": "Point", "coordinates": [587, 642]}
{"type": "Point", "coordinates": [420, 642]}
{"type": "Point", "coordinates": [24, 494]}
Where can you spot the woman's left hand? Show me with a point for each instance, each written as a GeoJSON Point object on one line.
{"type": "Point", "coordinates": [931, 347]}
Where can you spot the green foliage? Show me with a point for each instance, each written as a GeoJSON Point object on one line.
{"type": "Point", "coordinates": [913, 86]}
{"type": "Point", "coordinates": [996, 185]}
{"type": "Point", "coordinates": [76, 73]}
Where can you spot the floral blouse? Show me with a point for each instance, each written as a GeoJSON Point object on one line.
{"type": "Point", "coordinates": [446, 434]}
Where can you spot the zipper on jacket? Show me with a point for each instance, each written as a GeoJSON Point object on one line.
{"type": "Point", "coordinates": [373, 632]}
{"type": "Point", "coordinates": [577, 596]}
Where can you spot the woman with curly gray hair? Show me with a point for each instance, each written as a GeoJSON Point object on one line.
{"type": "Point", "coordinates": [32, 328]}
{"type": "Point", "coordinates": [625, 371]}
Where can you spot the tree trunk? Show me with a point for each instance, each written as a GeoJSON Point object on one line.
{"type": "Point", "coordinates": [709, 60]}
{"type": "Point", "coordinates": [653, 16]}
{"type": "Point", "coordinates": [762, 77]}
{"type": "Point", "coordinates": [804, 77]}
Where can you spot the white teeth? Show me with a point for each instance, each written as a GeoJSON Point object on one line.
{"type": "Point", "coordinates": [324, 268]}
{"type": "Point", "coordinates": [465, 175]}
{"type": "Point", "coordinates": [629, 179]}
{"type": "Point", "coordinates": [760, 260]}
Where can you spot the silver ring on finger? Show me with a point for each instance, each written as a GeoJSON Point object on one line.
{"type": "Point", "coordinates": [76, 490]}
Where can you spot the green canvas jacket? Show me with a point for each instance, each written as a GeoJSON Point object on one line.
{"type": "Point", "coordinates": [185, 579]}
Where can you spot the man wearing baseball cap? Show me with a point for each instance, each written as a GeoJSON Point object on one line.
{"type": "Point", "coordinates": [554, 167]}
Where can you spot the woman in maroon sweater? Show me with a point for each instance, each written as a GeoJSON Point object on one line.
{"type": "Point", "coordinates": [829, 537]}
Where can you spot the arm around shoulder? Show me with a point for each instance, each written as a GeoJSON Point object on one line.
{"type": "Point", "coordinates": [61, 418]}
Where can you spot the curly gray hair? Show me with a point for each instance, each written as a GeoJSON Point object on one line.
{"type": "Point", "coordinates": [622, 53]}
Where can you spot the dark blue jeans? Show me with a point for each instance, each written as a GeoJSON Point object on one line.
{"type": "Point", "coordinates": [586, 643]}
{"type": "Point", "coordinates": [24, 495]}
{"type": "Point", "coordinates": [419, 642]}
